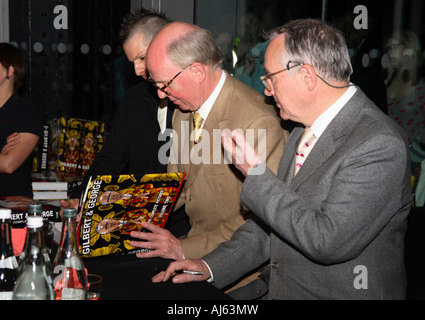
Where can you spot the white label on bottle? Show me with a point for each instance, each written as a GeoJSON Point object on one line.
{"type": "Point", "coordinates": [73, 294]}
{"type": "Point", "coordinates": [74, 263]}
{"type": "Point", "coordinates": [6, 295]}
{"type": "Point", "coordinates": [9, 263]}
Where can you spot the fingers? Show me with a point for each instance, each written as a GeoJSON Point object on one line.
{"type": "Point", "coordinates": [229, 146]}
{"type": "Point", "coordinates": [178, 277]}
{"type": "Point", "coordinates": [11, 142]}
{"type": "Point", "coordinates": [246, 152]}
{"type": "Point", "coordinates": [242, 154]}
{"type": "Point", "coordinates": [7, 148]}
{"type": "Point", "coordinates": [70, 203]}
{"type": "Point", "coordinates": [153, 228]}
{"type": "Point", "coordinates": [13, 139]}
{"type": "Point", "coordinates": [160, 242]}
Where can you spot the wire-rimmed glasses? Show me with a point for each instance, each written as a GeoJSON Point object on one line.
{"type": "Point", "coordinates": [165, 86]}
{"type": "Point", "coordinates": [266, 78]}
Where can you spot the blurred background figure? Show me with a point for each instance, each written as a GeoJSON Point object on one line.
{"type": "Point", "coordinates": [402, 63]}
{"type": "Point", "coordinates": [365, 59]}
{"type": "Point", "coordinates": [21, 126]}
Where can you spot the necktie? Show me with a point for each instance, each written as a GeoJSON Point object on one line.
{"type": "Point", "coordinates": [197, 124]}
{"type": "Point", "coordinates": [304, 148]}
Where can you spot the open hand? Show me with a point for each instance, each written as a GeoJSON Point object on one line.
{"type": "Point", "coordinates": [239, 151]}
{"type": "Point", "coordinates": [160, 241]}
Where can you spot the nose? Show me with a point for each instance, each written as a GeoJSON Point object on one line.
{"type": "Point", "coordinates": [139, 69]}
{"type": "Point", "coordinates": [161, 94]}
{"type": "Point", "coordinates": [268, 92]}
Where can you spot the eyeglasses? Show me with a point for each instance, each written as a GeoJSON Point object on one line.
{"type": "Point", "coordinates": [267, 77]}
{"type": "Point", "coordinates": [165, 86]}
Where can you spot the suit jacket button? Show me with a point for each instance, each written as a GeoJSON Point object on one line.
{"type": "Point", "coordinates": [274, 265]}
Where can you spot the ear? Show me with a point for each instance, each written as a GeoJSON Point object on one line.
{"type": "Point", "coordinates": [309, 76]}
{"type": "Point", "coordinates": [10, 72]}
{"type": "Point", "coordinates": [199, 71]}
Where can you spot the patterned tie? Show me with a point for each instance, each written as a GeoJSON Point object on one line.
{"type": "Point", "coordinates": [304, 148]}
{"type": "Point", "coordinates": [197, 124]}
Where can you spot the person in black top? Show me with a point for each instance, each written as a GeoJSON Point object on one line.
{"type": "Point", "coordinates": [140, 125]}
{"type": "Point", "coordinates": [21, 126]}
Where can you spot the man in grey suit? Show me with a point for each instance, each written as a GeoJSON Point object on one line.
{"type": "Point", "coordinates": [335, 230]}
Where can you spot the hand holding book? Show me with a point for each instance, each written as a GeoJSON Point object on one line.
{"type": "Point", "coordinates": [159, 243]}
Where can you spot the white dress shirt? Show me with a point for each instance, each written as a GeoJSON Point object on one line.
{"type": "Point", "coordinates": [205, 109]}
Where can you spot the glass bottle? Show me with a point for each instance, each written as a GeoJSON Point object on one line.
{"type": "Point", "coordinates": [34, 281]}
{"type": "Point", "coordinates": [36, 209]}
{"type": "Point", "coordinates": [8, 263]}
{"type": "Point", "coordinates": [69, 274]}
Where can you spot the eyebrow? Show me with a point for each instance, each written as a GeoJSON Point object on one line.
{"type": "Point", "coordinates": [141, 55]}
{"type": "Point", "coordinates": [137, 57]}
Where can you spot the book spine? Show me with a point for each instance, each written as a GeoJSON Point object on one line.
{"type": "Point", "coordinates": [50, 186]}
{"type": "Point", "coordinates": [44, 150]}
{"type": "Point", "coordinates": [50, 195]}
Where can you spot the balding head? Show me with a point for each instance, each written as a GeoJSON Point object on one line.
{"type": "Point", "coordinates": [185, 62]}
{"type": "Point", "coordinates": [185, 44]}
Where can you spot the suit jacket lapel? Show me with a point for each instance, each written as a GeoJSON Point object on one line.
{"type": "Point", "coordinates": [331, 138]}
{"type": "Point", "coordinates": [217, 115]}
{"type": "Point", "coordinates": [286, 165]}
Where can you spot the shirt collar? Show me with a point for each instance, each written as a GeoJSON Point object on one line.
{"type": "Point", "coordinates": [205, 109]}
{"type": "Point", "coordinates": [322, 122]}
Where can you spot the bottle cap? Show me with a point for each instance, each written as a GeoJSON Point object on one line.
{"type": "Point", "coordinates": [34, 222]}
{"type": "Point", "coordinates": [69, 213]}
{"type": "Point", "coordinates": [5, 214]}
{"type": "Point", "coordinates": [35, 207]}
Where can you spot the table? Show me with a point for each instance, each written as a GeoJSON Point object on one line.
{"type": "Point", "coordinates": [129, 278]}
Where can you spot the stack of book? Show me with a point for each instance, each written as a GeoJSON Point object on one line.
{"type": "Point", "coordinates": [50, 190]}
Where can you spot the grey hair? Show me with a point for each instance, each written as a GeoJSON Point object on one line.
{"type": "Point", "coordinates": [195, 46]}
{"type": "Point", "coordinates": [313, 42]}
{"type": "Point", "coordinates": [142, 21]}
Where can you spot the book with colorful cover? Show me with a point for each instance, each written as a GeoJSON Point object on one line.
{"type": "Point", "coordinates": [75, 143]}
{"type": "Point", "coordinates": [113, 206]}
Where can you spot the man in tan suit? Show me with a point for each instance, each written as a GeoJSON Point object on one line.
{"type": "Point", "coordinates": [185, 64]}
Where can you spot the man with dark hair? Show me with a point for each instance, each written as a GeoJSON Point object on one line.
{"type": "Point", "coordinates": [141, 119]}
